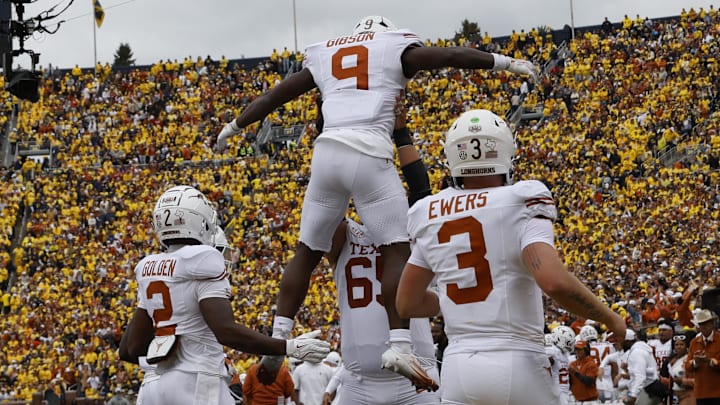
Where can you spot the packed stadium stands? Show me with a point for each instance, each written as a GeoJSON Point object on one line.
{"type": "Point", "coordinates": [626, 137]}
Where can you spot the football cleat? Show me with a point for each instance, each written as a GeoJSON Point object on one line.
{"type": "Point", "coordinates": [406, 364]}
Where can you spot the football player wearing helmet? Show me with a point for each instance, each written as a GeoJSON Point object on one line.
{"type": "Point", "coordinates": [183, 317]}
{"type": "Point", "coordinates": [489, 243]}
{"type": "Point", "coordinates": [563, 343]}
{"type": "Point", "coordinates": [358, 75]}
{"type": "Point", "coordinates": [223, 246]}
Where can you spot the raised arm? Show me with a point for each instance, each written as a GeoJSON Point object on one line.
{"type": "Point", "coordinates": [293, 86]}
{"type": "Point", "coordinates": [415, 59]}
{"type": "Point", "coordinates": [411, 164]}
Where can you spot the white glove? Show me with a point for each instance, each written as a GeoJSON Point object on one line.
{"type": "Point", "coordinates": [400, 359]}
{"type": "Point", "coordinates": [305, 347]}
{"type": "Point", "coordinates": [524, 67]}
{"type": "Point", "coordinates": [228, 130]}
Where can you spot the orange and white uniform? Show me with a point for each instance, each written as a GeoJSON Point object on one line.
{"type": "Point", "coordinates": [490, 301]}
{"type": "Point", "coordinates": [170, 288]}
{"type": "Point", "coordinates": [359, 77]}
{"type": "Point", "coordinates": [365, 330]}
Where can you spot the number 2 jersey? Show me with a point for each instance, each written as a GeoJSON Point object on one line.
{"type": "Point", "coordinates": [359, 77]}
{"type": "Point", "coordinates": [170, 288]}
{"type": "Point", "coordinates": [364, 327]}
{"type": "Point", "coordinates": [472, 240]}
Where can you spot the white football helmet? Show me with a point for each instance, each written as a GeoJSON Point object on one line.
{"type": "Point", "coordinates": [222, 244]}
{"type": "Point", "coordinates": [373, 23]}
{"type": "Point", "coordinates": [479, 143]}
{"type": "Point", "coordinates": [564, 338]}
{"type": "Point", "coordinates": [548, 339]}
{"type": "Point", "coordinates": [183, 212]}
{"type": "Point", "coordinates": [588, 334]}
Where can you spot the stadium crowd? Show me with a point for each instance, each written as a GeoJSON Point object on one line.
{"type": "Point", "coordinates": [615, 101]}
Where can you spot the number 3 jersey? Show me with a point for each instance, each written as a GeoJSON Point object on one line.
{"type": "Point", "coordinates": [359, 77]}
{"type": "Point", "coordinates": [364, 327]}
{"type": "Point", "coordinates": [170, 288]}
{"type": "Point", "coordinates": [472, 240]}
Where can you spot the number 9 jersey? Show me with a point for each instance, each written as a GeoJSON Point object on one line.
{"type": "Point", "coordinates": [359, 77]}
{"type": "Point", "coordinates": [473, 240]}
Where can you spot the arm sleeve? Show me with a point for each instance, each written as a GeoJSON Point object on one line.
{"type": "Point", "coordinates": [418, 181]}
{"type": "Point", "coordinates": [213, 289]}
{"type": "Point", "coordinates": [538, 230]}
{"type": "Point", "coordinates": [334, 381]}
{"type": "Point", "coordinates": [585, 379]}
{"type": "Point", "coordinates": [417, 258]}
{"type": "Point", "coordinates": [589, 374]}
{"type": "Point", "coordinates": [636, 369]}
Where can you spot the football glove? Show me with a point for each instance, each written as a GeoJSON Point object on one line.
{"type": "Point", "coordinates": [524, 67]}
{"type": "Point", "coordinates": [228, 130]}
{"type": "Point", "coordinates": [400, 359]}
{"type": "Point", "coordinates": [306, 348]}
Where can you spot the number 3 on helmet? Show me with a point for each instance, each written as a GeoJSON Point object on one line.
{"type": "Point", "coordinates": [183, 212]}
{"type": "Point", "coordinates": [373, 23]}
{"type": "Point", "coordinates": [479, 143]}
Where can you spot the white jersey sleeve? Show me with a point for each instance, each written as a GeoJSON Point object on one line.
{"type": "Point", "coordinates": [359, 77]}
{"type": "Point", "coordinates": [472, 240]}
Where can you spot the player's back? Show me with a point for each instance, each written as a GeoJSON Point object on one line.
{"type": "Point", "coordinates": [359, 76]}
{"type": "Point", "coordinates": [559, 368]}
{"type": "Point", "coordinates": [170, 288]}
{"type": "Point", "coordinates": [600, 350]}
{"type": "Point", "coordinates": [472, 240]}
{"type": "Point", "coordinates": [363, 319]}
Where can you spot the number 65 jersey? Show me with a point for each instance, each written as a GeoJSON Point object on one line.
{"type": "Point", "coordinates": [359, 77]}
{"type": "Point", "coordinates": [364, 325]}
{"type": "Point", "coordinates": [472, 240]}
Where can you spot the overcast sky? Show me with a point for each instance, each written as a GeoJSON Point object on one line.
{"type": "Point", "coordinates": [174, 29]}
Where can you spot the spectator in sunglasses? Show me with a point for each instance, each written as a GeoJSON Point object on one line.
{"type": "Point", "coordinates": [673, 371]}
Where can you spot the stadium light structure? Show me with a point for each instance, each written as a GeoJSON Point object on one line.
{"type": "Point", "coordinates": [23, 83]}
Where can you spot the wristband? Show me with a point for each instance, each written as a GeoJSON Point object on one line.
{"type": "Point", "coordinates": [501, 62]}
{"type": "Point", "coordinates": [400, 336]}
{"type": "Point", "coordinates": [402, 137]}
{"type": "Point", "coordinates": [282, 327]}
{"type": "Point", "coordinates": [234, 126]}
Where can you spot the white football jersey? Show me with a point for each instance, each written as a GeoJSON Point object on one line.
{"type": "Point", "coordinates": [359, 77]}
{"type": "Point", "coordinates": [472, 240]}
{"type": "Point", "coordinates": [599, 351]}
{"type": "Point", "coordinates": [363, 321]}
{"type": "Point", "coordinates": [661, 351]}
{"type": "Point", "coordinates": [170, 288]}
{"type": "Point", "coordinates": [560, 372]}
